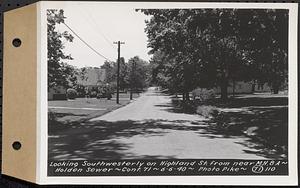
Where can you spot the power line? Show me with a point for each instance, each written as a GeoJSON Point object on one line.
{"type": "Point", "coordinates": [85, 42]}
{"type": "Point", "coordinates": [94, 25]}
{"type": "Point", "coordinates": [97, 28]}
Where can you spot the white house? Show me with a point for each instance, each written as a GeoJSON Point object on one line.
{"type": "Point", "coordinates": [239, 87]}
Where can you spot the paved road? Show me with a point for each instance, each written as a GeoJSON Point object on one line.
{"type": "Point", "coordinates": [171, 134]}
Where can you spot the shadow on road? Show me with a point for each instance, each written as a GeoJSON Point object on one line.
{"type": "Point", "coordinates": [263, 121]}
{"type": "Point", "coordinates": [177, 106]}
{"type": "Point", "coordinates": [96, 140]}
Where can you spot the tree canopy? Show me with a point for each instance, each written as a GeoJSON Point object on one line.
{"type": "Point", "coordinates": [209, 47]}
{"type": "Point", "coordinates": [134, 74]}
{"type": "Point", "coordinates": [59, 72]}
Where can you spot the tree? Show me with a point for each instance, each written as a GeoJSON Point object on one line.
{"type": "Point", "coordinates": [123, 74]}
{"type": "Point", "coordinates": [265, 34]}
{"type": "Point", "coordinates": [110, 71]}
{"type": "Point", "coordinates": [133, 73]}
{"type": "Point", "coordinates": [157, 65]}
{"type": "Point", "coordinates": [199, 54]}
{"type": "Point", "coordinates": [167, 33]}
{"type": "Point", "coordinates": [72, 74]}
{"type": "Point", "coordinates": [59, 72]}
{"type": "Point", "coordinates": [210, 47]}
{"type": "Point", "coordinates": [138, 73]}
{"type": "Point", "coordinates": [163, 72]}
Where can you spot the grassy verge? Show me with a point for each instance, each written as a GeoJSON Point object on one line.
{"type": "Point", "coordinates": [261, 118]}
{"type": "Point", "coordinates": [82, 109]}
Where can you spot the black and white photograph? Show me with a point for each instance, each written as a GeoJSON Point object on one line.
{"type": "Point", "coordinates": [128, 83]}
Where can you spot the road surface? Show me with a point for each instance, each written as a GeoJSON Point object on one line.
{"type": "Point", "coordinates": [168, 134]}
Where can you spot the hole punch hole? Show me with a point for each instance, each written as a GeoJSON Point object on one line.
{"type": "Point", "coordinates": [17, 145]}
{"type": "Point", "coordinates": [16, 42]}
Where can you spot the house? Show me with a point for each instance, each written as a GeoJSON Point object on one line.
{"type": "Point", "coordinates": [92, 78]}
{"type": "Point", "coordinates": [57, 93]}
{"type": "Point", "coordinates": [262, 88]}
{"type": "Point", "coordinates": [239, 87]}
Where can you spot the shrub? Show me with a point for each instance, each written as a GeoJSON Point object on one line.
{"type": "Point", "coordinates": [184, 106]}
{"type": "Point", "coordinates": [176, 101]}
{"type": "Point", "coordinates": [80, 89]}
{"type": "Point", "coordinates": [71, 93]}
{"type": "Point", "coordinates": [108, 95]}
{"type": "Point", "coordinates": [99, 95]}
{"type": "Point", "coordinates": [203, 94]}
{"type": "Point", "coordinates": [188, 107]}
{"type": "Point", "coordinates": [207, 111]}
{"type": "Point", "coordinates": [52, 117]}
{"type": "Point", "coordinates": [93, 94]}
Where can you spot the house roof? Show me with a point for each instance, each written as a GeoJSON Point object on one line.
{"type": "Point", "coordinates": [92, 76]}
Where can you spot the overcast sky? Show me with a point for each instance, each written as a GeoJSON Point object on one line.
{"type": "Point", "coordinates": [100, 26]}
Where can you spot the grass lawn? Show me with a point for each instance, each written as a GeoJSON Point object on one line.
{"type": "Point", "coordinates": [263, 118]}
{"type": "Point", "coordinates": [82, 109]}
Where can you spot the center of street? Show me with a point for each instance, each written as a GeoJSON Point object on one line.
{"type": "Point", "coordinates": [163, 141]}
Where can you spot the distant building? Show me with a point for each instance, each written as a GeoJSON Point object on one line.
{"type": "Point", "coordinates": [239, 87]}
{"type": "Point", "coordinates": [262, 88]}
{"type": "Point", "coordinates": [57, 93]}
{"type": "Point", "coordinates": [93, 77]}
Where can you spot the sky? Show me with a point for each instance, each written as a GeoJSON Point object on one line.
{"type": "Point", "coordinates": [100, 26]}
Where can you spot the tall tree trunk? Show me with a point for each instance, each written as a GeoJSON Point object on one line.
{"type": "Point", "coordinates": [224, 78]}
{"type": "Point", "coordinates": [224, 85]}
{"type": "Point", "coordinates": [275, 87]}
{"type": "Point", "coordinates": [187, 96]}
{"type": "Point", "coordinates": [233, 87]}
{"type": "Point", "coordinates": [253, 86]}
{"type": "Point", "coordinates": [276, 90]}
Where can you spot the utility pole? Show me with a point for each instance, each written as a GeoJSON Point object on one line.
{"type": "Point", "coordinates": [132, 80]}
{"type": "Point", "coordinates": [118, 71]}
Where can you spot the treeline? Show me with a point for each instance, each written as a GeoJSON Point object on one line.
{"type": "Point", "coordinates": [210, 47]}
{"type": "Point", "coordinates": [133, 75]}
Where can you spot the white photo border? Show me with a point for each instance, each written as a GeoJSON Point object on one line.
{"type": "Point", "coordinates": [42, 119]}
